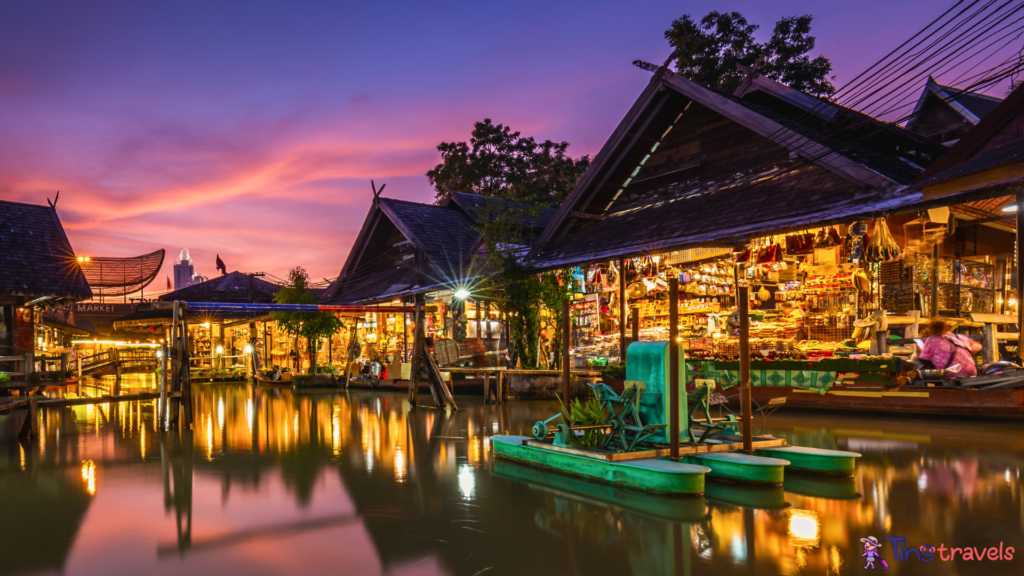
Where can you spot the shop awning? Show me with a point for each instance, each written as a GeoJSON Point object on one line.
{"type": "Point", "coordinates": [724, 217]}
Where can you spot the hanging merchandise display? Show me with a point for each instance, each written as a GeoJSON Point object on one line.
{"type": "Point", "coordinates": [882, 247]}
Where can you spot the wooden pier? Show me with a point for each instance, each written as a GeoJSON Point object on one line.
{"type": "Point", "coordinates": [174, 396]}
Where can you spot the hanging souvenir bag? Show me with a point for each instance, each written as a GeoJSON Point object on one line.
{"type": "Point", "coordinates": [833, 237]}
{"type": "Point", "coordinates": [769, 254]}
{"type": "Point", "coordinates": [882, 248]}
{"type": "Point", "coordinates": [800, 243]}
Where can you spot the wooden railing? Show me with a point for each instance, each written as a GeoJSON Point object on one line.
{"type": "Point", "coordinates": [17, 367]}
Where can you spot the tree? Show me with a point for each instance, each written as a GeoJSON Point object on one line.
{"type": "Point", "coordinates": [313, 326]}
{"type": "Point", "coordinates": [708, 52]}
{"type": "Point", "coordinates": [499, 162]}
{"type": "Point", "coordinates": [519, 290]}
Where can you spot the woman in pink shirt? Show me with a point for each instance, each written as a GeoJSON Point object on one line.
{"type": "Point", "coordinates": [944, 349]}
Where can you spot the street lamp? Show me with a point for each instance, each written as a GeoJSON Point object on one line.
{"type": "Point", "coordinates": [247, 349]}
{"type": "Point", "coordinates": [220, 349]}
{"type": "Point", "coordinates": [462, 293]}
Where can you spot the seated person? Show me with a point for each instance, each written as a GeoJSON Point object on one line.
{"type": "Point", "coordinates": [944, 349]}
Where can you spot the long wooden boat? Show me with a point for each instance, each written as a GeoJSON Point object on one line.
{"type": "Point", "coordinates": [653, 475]}
{"type": "Point", "coordinates": [1008, 404]}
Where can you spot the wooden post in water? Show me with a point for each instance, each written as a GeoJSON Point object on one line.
{"type": "Point", "coordinates": [479, 328]}
{"type": "Point", "coordinates": [33, 410]}
{"type": "Point", "coordinates": [622, 310]}
{"type": "Point", "coordinates": [745, 398]}
{"type": "Point", "coordinates": [1020, 275]}
{"type": "Point", "coordinates": [417, 350]}
{"type": "Point", "coordinates": [162, 411]}
{"type": "Point", "coordinates": [673, 367]}
{"type": "Point", "coordinates": [175, 341]}
{"type": "Point", "coordinates": [933, 304]}
{"type": "Point", "coordinates": [186, 391]}
{"type": "Point", "coordinates": [566, 336]}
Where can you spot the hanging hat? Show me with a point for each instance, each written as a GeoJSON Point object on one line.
{"type": "Point", "coordinates": [636, 290]}
{"type": "Point", "coordinates": [861, 281]}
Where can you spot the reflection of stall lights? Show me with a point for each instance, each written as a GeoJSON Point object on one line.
{"type": "Point", "coordinates": [220, 349]}
{"type": "Point", "coordinates": [738, 548]}
{"type": "Point", "coordinates": [922, 482]}
{"type": "Point", "coordinates": [247, 349]}
{"type": "Point", "coordinates": [467, 482]}
{"type": "Point", "coordinates": [399, 464]}
{"type": "Point", "coordinates": [89, 475]}
{"type": "Point", "coordinates": [462, 293]}
{"type": "Point", "coordinates": [804, 528]}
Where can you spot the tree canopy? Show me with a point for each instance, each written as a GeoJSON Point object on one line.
{"type": "Point", "coordinates": [709, 50]}
{"type": "Point", "coordinates": [313, 326]}
{"type": "Point", "coordinates": [501, 163]}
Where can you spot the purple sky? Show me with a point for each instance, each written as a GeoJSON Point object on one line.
{"type": "Point", "coordinates": [252, 129]}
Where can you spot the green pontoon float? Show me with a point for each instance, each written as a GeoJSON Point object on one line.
{"type": "Point", "coordinates": [631, 445]}
{"type": "Point", "coordinates": [652, 475]}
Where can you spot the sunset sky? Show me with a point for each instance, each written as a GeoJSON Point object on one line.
{"type": "Point", "coordinates": [252, 129]}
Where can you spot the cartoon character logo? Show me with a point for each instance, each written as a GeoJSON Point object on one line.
{"type": "Point", "coordinates": [870, 554]}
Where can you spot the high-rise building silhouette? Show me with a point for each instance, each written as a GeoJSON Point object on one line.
{"type": "Point", "coordinates": [183, 270]}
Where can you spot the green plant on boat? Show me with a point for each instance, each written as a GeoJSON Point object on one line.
{"type": "Point", "coordinates": [615, 372]}
{"type": "Point", "coordinates": [35, 378]}
{"type": "Point", "coordinates": [301, 380]}
{"type": "Point", "coordinates": [588, 413]}
{"type": "Point", "coordinates": [4, 377]}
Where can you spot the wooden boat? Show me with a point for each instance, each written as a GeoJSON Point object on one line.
{"type": "Point", "coordinates": [1008, 404]}
{"type": "Point", "coordinates": [653, 475]}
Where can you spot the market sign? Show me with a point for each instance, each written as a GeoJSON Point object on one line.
{"type": "Point", "coordinates": [104, 309]}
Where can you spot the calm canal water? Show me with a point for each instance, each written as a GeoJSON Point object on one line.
{"type": "Point", "coordinates": [277, 482]}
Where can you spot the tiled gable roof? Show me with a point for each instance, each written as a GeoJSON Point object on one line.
{"type": "Point", "coordinates": [233, 287]}
{"type": "Point", "coordinates": [36, 258]}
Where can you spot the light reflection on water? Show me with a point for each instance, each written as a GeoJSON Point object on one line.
{"type": "Point", "coordinates": [274, 482]}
